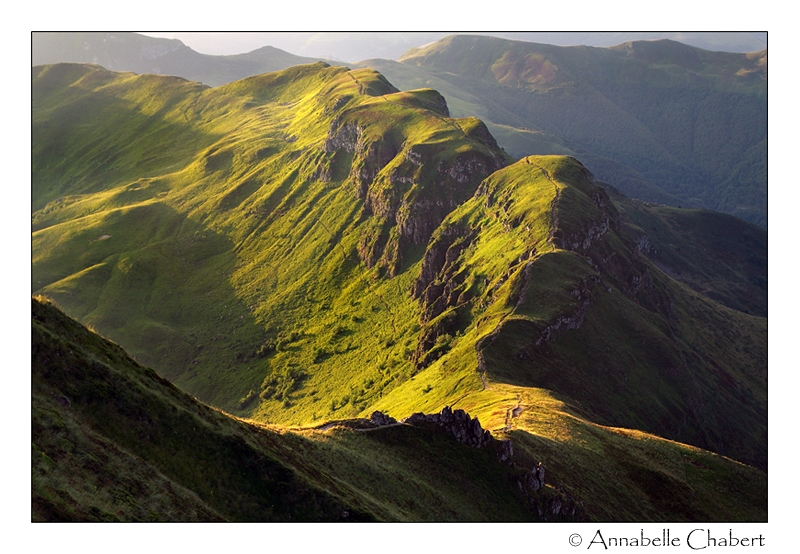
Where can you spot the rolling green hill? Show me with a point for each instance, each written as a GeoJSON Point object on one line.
{"type": "Point", "coordinates": [312, 245]}
{"type": "Point", "coordinates": [662, 121]}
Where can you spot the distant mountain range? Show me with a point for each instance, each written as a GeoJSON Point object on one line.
{"type": "Point", "coordinates": [351, 47]}
{"type": "Point", "coordinates": [306, 247]}
{"type": "Point", "coordinates": [143, 54]}
{"type": "Point", "coordinates": [661, 121]}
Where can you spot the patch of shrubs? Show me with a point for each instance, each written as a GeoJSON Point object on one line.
{"type": "Point", "coordinates": [247, 399]}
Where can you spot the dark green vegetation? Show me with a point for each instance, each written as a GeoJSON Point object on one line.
{"type": "Point", "coordinates": [662, 121]}
{"type": "Point", "coordinates": [312, 244]}
{"type": "Point", "coordinates": [112, 441]}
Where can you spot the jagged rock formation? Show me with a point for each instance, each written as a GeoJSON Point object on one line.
{"type": "Point", "coordinates": [573, 320]}
{"type": "Point", "coordinates": [556, 505]}
{"type": "Point", "coordinates": [439, 285]}
{"type": "Point", "coordinates": [466, 430]}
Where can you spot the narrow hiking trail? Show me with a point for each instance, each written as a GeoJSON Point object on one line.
{"type": "Point", "coordinates": [525, 273]}
{"type": "Point", "coordinates": [553, 204]}
{"type": "Point", "coordinates": [513, 413]}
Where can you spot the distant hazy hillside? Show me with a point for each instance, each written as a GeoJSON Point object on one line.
{"type": "Point", "coordinates": [354, 46]}
{"type": "Point", "coordinates": [143, 54]}
{"type": "Point", "coordinates": [715, 41]}
{"type": "Point", "coordinates": [660, 120]}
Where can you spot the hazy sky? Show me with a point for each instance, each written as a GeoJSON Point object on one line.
{"type": "Point", "coordinates": [328, 45]}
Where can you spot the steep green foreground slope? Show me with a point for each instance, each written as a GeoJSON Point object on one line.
{"type": "Point", "coordinates": [112, 441]}
{"type": "Point", "coordinates": [312, 245]}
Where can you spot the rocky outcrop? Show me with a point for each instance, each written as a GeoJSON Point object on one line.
{"type": "Point", "coordinates": [466, 430]}
{"type": "Point", "coordinates": [342, 137]}
{"type": "Point", "coordinates": [410, 186]}
{"type": "Point", "coordinates": [372, 243]}
{"type": "Point", "coordinates": [593, 228]}
{"type": "Point", "coordinates": [442, 284]}
{"type": "Point", "coordinates": [644, 245]}
{"type": "Point", "coordinates": [580, 242]}
{"type": "Point", "coordinates": [574, 320]}
{"type": "Point", "coordinates": [379, 419]}
{"type": "Point", "coordinates": [442, 183]}
{"type": "Point", "coordinates": [438, 286]}
{"type": "Point", "coordinates": [462, 427]}
{"type": "Point", "coordinates": [550, 505]}
{"type": "Point", "coordinates": [371, 158]}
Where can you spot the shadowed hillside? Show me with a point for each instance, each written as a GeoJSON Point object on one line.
{"type": "Point", "coordinates": [111, 441]}
{"type": "Point", "coordinates": [662, 121]}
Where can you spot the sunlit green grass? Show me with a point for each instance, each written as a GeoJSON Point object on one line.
{"type": "Point", "coordinates": [230, 263]}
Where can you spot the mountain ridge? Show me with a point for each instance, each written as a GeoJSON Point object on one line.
{"type": "Point", "coordinates": [658, 138]}
{"type": "Point", "coordinates": [144, 54]}
{"type": "Point", "coordinates": [321, 245]}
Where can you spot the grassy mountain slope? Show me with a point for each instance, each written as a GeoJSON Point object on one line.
{"type": "Point", "coordinates": [689, 122]}
{"type": "Point", "coordinates": [317, 244]}
{"type": "Point", "coordinates": [111, 441]}
{"type": "Point", "coordinates": [304, 201]}
{"type": "Point", "coordinates": [571, 305]}
{"type": "Point", "coordinates": [143, 54]}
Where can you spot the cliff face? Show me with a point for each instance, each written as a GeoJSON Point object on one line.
{"type": "Point", "coordinates": [408, 177]}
